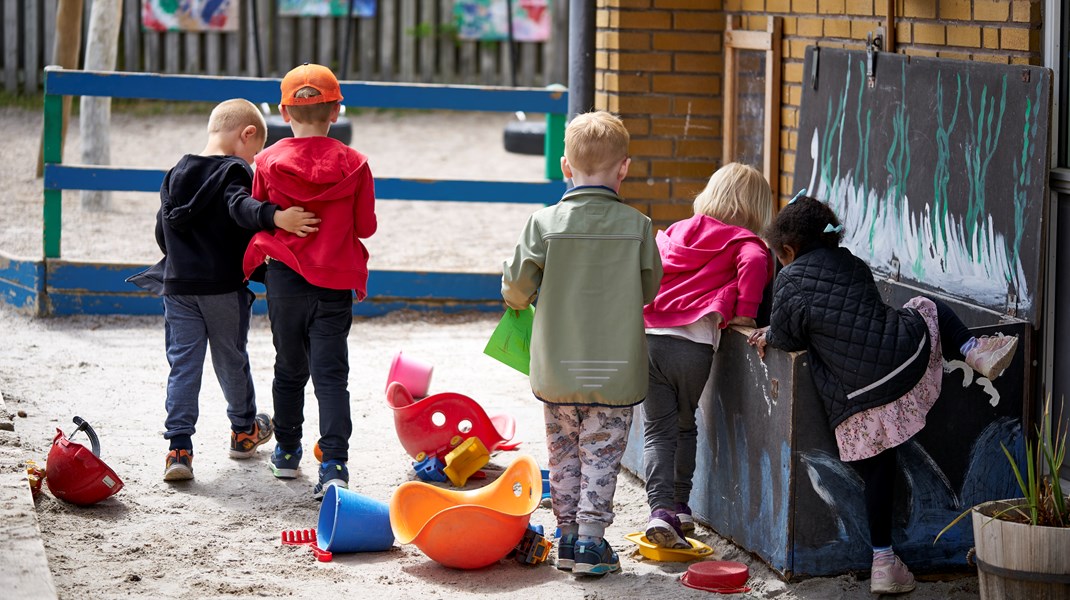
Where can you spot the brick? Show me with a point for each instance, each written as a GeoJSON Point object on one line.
{"type": "Point", "coordinates": [953, 55]}
{"type": "Point", "coordinates": [794, 95]}
{"type": "Point", "coordinates": [967, 35]}
{"type": "Point", "coordinates": [689, 42]}
{"type": "Point", "coordinates": [639, 167]}
{"type": "Point", "coordinates": [698, 21]}
{"type": "Point", "coordinates": [601, 59]}
{"type": "Point", "coordinates": [831, 7]}
{"type": "Point", "coordinates": [733, 5]}
{"type": "Point", "coordinates": [714, 5]}
{"type": "Point", "coordinates": [991, 10]}
{"type": "Point", "coordinates": [686, 84]}
{"type": "Point", "coordinates": [753, 5]}
{"type": "Point", "coordinates": [708, 147]}
{"type": "Point", "coordinates": [637, 126]}
{"type": "Point", "coordinates": [919, 9]}
{"type": "Point", "coordinates": [792, 72]}
{"type": "Point", "coordinates": [1025, 60]}
{"type": "Point", "coordinates": [927, 33]}
{"type": "Point", "coordinates": [635, 188]}
{"type": "Point", "coordinates": [678, 168]}
{"type": "Point", "coordinates": [1026, 11]}
{"type": "Point", "coordinates": [619, 40]}
{"type": "Point", "coordinates": [837, 28]}
{"type": "Point", "coordinates": [920, 52]}
{"type": "Point", "coordinates": [680, 126]}
{"type": "Point", "coordinates": [645, 105]}
{"type": "Point", "coordinates": [810, 28]}
{"type": "Point", "coordinates": [705, 105]}
{"type": "Point", "coordinates": [991, 38]}
{"type": "Point", "coordinates": [903, 33]}
{"type": "Point", "coordinates": [797, 48]}
{"type": "Point", "coordinates": [789, 117]}
{"type": "Point", "coordinates": [955, 10]}
{"type": "Point", "coordinates": [778, 6]}
{"type": "Point", "coordinates": [647, 19]}
{"type": "Point", "coordinates": [626, 82]}
{"type": "Point", "coordinates": [1014, 39]}
{"type": "Point", "coordinates": [787, 163]}
{"type": "Point", "coordinates": [698, 63]}
{"type": "Point", "coordinates": [789, 26]}
{"type": "Point", "coordinates": [804, 6]}
{"type": "Point", "coordinates": [650, 147]}
{"type": "Point", "coordinates": [670, 213]}
{"type": "Point", "coordinates": [644, 61]}
{"type": "Point", "coordinates": [862, 28]}
{"type": "Point", "coordinates": [628, 3]}
{"type": "Point", "coordinates": [860, 7]}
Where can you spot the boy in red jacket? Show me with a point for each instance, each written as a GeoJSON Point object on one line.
{"type": "Point", "coordinates": [310, 281]}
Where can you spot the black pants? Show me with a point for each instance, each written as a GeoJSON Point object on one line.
{"type": "Point", "coordinates": [310, 329]}
{"type": "Point", "coordinates": [878, 473]}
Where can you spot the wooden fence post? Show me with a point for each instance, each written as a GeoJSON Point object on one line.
{"type": "Point", "coordinates": [102, 50]}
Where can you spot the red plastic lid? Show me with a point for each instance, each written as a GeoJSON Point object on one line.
{"type": "Point", "coordinates": [721, 576]}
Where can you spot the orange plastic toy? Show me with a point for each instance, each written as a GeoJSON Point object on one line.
{"type": "Point", "coordinates": [438, 423]}
{"type": "Point", "coordinates": [468, 529]}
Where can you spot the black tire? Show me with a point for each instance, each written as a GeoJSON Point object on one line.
{"type": "Point", "coordinates": [277, 129]}
{"type": "Point", "coordinates": [525, 137]}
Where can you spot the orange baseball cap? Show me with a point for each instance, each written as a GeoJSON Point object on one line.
{"type": "Point", "coordinates": [317, 77]}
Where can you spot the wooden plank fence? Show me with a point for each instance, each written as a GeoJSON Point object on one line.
{"type": "Point", "coordinates": [408, 41]}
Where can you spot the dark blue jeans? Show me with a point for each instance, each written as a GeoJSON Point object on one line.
{"type": "Point", "coordinates": [192, 324]}
{"type": "Point", "coordinates": [310, 329]}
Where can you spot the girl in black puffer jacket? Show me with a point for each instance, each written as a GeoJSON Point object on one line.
{"type": "Point", "coordinates": [877, 369]}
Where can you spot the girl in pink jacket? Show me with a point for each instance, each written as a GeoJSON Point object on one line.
{"type": "Point", "coordinates": [715, 270]}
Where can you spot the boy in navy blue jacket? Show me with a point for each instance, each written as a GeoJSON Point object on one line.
{"type": "Point", "coordinates": [206, 220]}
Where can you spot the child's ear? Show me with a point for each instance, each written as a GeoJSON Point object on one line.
{"type": "Point", "coordinates": [622, 172]}
{"type": "Point", "coordinates": [249, 133]}
{"type": "Point", "coordinates": [566, 169]}
{"type": "Point", "coordinates": [285, 114]}
{"type": "Point", "coordinates": [336, 110]}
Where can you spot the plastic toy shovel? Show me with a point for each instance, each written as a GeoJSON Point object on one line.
{"type": "Point", "coordinates": [511, 341]}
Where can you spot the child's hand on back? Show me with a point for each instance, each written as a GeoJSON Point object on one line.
{"type": "Point", "coordinates": [757, 339]}
{"type": "Point", "coordinates": [297, 221]}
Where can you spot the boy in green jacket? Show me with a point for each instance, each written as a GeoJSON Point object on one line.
{"type": "Point", "coordinates": [593, 263]}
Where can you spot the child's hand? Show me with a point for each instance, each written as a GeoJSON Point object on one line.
{"type": "Point", "coordinates": [297, 221]}
{"type": "Point", "coordinates": [744, 321]}
{"type": "Point", "coordinates": [757, 339]}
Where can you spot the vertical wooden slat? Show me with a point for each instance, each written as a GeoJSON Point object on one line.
{"type": "Point", "coordinates": [151, 50]}
{"type": "Point", "coordinates": [529, 56]}
{"type": "Point", "coordinates": [326, 44]}
{"type": "Point", "coordinates": [213, 53]}
{"type": "Point", "coordinates": [469, 61]}
{"type": "Point", "coordinates": [428, 19]}
{"type": "Point", "coordinates": [488, 59]}
{"type": "Point", "coordinates": [268, 24]}
{"type": "Point", "coordinates": [50, 30]}
{"type": "Point", "coordinates": [407, 39]}
{"type": "Point", "coordinates": [284, 45]}
{"type": "Point", "coordinates": [555, 50]}
{"type": "Point", "coordinates": [305, 41]}
{"type": "Point", "coordinates": [388, 22]}
{"type": "Point", "coordinates": [11, 46]}
{"type": "Point", "coordinates": [32, 27]}
{"type": "Point", "coordinates": [447, 44]}
{"type": "Point", "coordinates": [131, 35]}
{"type": "Point", "coordinates": [368, 44]}
{"type": "Point", "coordinates": [172, 51]}
{"type": "Point", "coordinates": [192, 43]}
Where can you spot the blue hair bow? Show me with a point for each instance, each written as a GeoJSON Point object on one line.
{"type": "Point", "coordinates": [798, 195]}
{"type": "Point", "coordinates": [830, 229]}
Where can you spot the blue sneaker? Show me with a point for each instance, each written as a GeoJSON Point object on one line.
{"type": "Point", "coordinates": [284, 464]}
{"type": "Point", "coordinates": [566, 552]}
{"type": "Point", "coordinates": [595, 559]}
{"type": "Point", "coordinates": [332, 472]}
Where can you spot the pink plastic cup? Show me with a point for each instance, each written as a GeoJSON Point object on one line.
{"type": "Point", "coordinates": [412, 373]}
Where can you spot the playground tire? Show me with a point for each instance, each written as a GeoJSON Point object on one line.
{"type": "Point", "coordinates": [277, 129]}
{"type": "Point", "coordinates": [525, 137]}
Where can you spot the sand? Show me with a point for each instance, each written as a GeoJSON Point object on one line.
{"type": "Point", "coordinates": [219, 534]}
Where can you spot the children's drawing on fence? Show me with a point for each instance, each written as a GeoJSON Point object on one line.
{"type": "Point", "coordinates": [934, 171]}
{"type": "Point", "coordinates": [190, 15]}
{"type": "Point", "coordinates": [486, 20]}
{"type": "Point", "coordinates": [326, 8]}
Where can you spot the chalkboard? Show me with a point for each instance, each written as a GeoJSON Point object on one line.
{"type": "Point", "coordinates": [937, 168]}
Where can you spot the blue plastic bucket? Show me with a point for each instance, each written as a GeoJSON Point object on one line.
{"type": "Point", "coordinates": [350, 522]}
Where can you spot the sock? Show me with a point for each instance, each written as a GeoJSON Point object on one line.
{"type": "Point", "coordinates": [882, 552]}
{"type": "Point", "coordinates": [182, 442]}
{"type": "Point", "coordinates": [589, 539]}
{"type": "Point", "coordinates": [969, 345]}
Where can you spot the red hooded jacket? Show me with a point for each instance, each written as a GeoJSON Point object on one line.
{"type": "Point", "coordinates": [709, 266]}
{"type": "Point", "coordinates": [333, 181]}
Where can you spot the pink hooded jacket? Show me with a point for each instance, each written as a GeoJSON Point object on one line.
{"type": "Point", "coordinates": [708, 267]}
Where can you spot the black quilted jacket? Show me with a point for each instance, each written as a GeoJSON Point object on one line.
{"type": "Point", "coordinates": [863, 353]}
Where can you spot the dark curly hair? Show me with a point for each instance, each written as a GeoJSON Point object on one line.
{"type": "Point", "coordinates": [802, 225]}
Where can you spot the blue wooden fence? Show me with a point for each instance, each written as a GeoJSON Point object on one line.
{"type": "Point", "coordinates": [54, 286]}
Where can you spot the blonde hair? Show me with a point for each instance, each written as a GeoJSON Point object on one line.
{"type": "Point", "coordinates": [595, 142]}
{"type": "Point", "coordinates": [237, 114]}
{"type": "Point", "coordinates": [310, 113]}
{"type": "Point", "coordinates": [739, 195]}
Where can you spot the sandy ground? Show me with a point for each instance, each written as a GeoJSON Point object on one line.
{"type": "Point", "coordinates": [219, 535]}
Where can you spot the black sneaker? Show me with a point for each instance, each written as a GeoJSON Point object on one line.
{"type": "Point", "coordinates": [595, 559]}
{"type": "Point", "coordinates": [179, 466]}
{"type": "Point", "coordinates": [332, 472]}
{"type": "Point", "coordinates": [244, 445]}
{"type": "Point", "coordinates": [566, 552]}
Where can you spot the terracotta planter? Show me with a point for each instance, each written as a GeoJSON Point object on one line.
{"type": "Point", "coordinates": [1015, 560]}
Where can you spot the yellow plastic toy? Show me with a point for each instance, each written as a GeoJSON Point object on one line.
{"type": "Point", "coordinates": [652, 551]}
{"type": "Point", "coordinates": [468, 529]}
{"type": "Point", "coordinates": [463, 461]}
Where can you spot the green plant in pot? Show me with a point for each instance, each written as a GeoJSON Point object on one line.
{"type": "Point", "coordinates": [1023, 544]}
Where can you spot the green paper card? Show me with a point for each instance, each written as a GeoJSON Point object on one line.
{"type": "Point", "coordinates": [511, 341]}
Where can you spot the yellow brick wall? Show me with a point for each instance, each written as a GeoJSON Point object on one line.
{"type": "Point", "coordinates": [660, 66]}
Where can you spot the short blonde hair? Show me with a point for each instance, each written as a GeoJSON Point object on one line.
{"type": "Point", "coordinates": [739, 195]}
{"type": "Point", "coordinates": [310, 113]}
{"type": "Point", "coordinates": [237, 114]}
{"type": "Point", "coordinates": [595, 142]}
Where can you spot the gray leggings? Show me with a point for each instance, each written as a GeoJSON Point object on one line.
{"type": "Point", "coordinates": [679, 369]}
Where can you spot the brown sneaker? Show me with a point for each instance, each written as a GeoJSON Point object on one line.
{"type": "Point", "coordinates": [244, 445]}
{"type": "Point", "coordinates": [179, 466]}
{"type": "Point", "coordinates": [992, 354]}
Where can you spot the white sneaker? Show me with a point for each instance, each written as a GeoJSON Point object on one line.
{"type": "Point", "coordinates": [890, 576]}
{"type": "Point", "coordinates": [992, 354]}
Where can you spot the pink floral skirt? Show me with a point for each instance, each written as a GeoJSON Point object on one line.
{"type": "Point", "coordinates": [872, 431]}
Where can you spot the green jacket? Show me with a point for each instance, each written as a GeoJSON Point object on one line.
{"type": "Point", "coordinates": [593, 262]}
